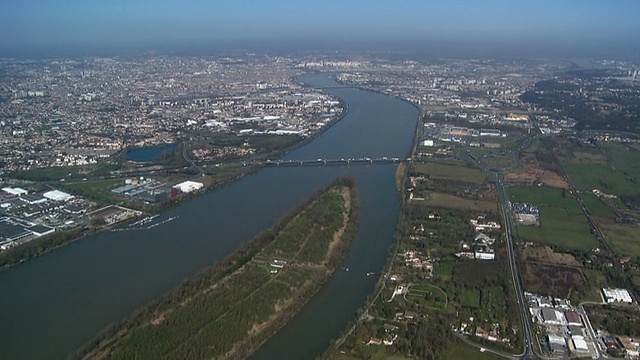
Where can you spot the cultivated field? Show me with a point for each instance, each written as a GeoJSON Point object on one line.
{"type": "Point", "coordinates": [618, 175]}
{"type": "Point", "coordinates": [442, 200]}
{"type": "Point", "coordinates": [625, 240]}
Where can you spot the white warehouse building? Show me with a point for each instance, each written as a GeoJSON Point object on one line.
{"type": "Point", "coordinates": [57, 195]}
{"type": "Point", "coordinates": [189, 186]}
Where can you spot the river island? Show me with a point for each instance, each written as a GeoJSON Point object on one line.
{"type": "Point", "coordinates": [230, 309]}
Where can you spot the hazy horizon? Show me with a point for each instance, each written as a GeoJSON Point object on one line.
{"type": "Point", "coordinates": [563, 28]}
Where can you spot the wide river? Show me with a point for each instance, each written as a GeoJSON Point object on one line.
{"type": "Point", "coordinates": [52, 305]}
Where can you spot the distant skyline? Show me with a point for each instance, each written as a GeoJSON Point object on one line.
{"type": "Point", "coordinates": [91, 22]}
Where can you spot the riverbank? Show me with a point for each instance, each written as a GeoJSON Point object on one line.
{"type": "Point", "coordinates": [46, 244]}
{"type": "Point", "coordinates": [229, 309]}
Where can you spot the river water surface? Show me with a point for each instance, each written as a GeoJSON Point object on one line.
{"type": "Point", "coordinates": [52, 305]}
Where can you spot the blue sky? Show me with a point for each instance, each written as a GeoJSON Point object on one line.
{"type": "Point", "coordinates": [80, 21]}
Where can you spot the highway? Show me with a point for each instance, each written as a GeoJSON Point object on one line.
{"type": "Point", "coordinates": [509, 228]}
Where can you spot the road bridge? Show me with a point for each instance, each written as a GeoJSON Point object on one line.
{"type": "Point", "coordinates": [334, 162]}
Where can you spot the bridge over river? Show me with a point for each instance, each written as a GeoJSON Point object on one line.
{"type": "Point", "coordinates": [341, 161]}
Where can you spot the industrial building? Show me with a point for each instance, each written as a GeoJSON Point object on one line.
{"type": "Point", "coordinates": [15, 191]}
{"type": "Point", "coordinates": [552, 316]}
{"type": "Point", "coordinates": [490, 132]}
{"type": "Point", "coordinates": [573, 319]}
{"type": "Point", "coordinates": [617, 296]}
{"type": "Point", "coordinates": [57, 195]}
{"type": "Point", "coordinates": [188, 186]}
{"type": "Point", "coordinates": [557, 344]}
{"type": "Point", "coordinates": [12, 230]}
{"type": "Point", "coordinates": [579, 344]}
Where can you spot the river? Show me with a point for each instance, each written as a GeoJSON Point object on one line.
{"type": "Point", "coordinates": [51, 305]}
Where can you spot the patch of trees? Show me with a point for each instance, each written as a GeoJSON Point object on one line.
{"type": "Point", "coordinates": [429, 338]}
{"type": "Point", "coordinates": [615, 320]}
{"type": "Point", "coordinates": [171, 158]}
{"type": "Point", "coordinates": [478, 274]}
{"type": "Point", "coordinates": [267, 143]}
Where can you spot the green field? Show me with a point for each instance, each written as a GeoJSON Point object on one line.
{"type": "Point", "coordinates": [470, 298]}
{"type": "Point", "coordinates": [596, 206]}
{"type": "Point", "coordinates": [610, 180]}
{"type": "Point", "coordinates": [498, 161]}
{"type": "Point", "coordinates": [562, 228]}
{"type": "Point", "coordinates": [596, 280]}
{"type": "Point", "coordinates": [562, 222]}
{"type": "Point", "coordinates": [625, 240]}
{"type": "Point", "coordinates": [584, 156]}
{"type": "Point", "coordinates": [52, 173]}
{"type": "Point", "coordinates": [462, 351]}
{"type": "Point", "coordinates": [444, 270]}
{"type": "Point", "coordinates": [450, 172]}
{"type": "Point", "coordinates": [619, 176]}
{"type": "Point", "coordinates": [623, 156]}
{"type": "Point", "coordinates": [535, 145]}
